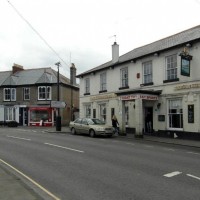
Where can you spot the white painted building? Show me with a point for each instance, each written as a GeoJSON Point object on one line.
{"type": "Point", "coordinates": [154, 88]}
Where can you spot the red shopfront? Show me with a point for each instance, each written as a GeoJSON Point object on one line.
{"type": "Point", "coordinates": [41, 116]}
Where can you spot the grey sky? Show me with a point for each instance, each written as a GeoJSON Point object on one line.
{"type": "Point", "coordinates": [84, 29]}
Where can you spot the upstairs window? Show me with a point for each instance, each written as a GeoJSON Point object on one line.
{"type": "Point", "coordinates": [147, 72]}
{"type": "Point", "coordinates": [103, 81]}
{"type": "Point", "coordinates": [44, 93]}
{"type": "Point", "coordinates": [171, 67]}
{"type": "Point", "coordinates": [87, 86]}
{"type": "Point", "coordinates": [9, 94]}
{"type": "Point", "coordinates": [124, 77]}
{"type": "Point", "coordinates": [26, 92]}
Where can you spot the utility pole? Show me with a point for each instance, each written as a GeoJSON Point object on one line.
{"type": "Point", "coordinates": [58, 117]}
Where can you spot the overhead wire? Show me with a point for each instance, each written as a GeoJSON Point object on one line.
{"type": "Point", "coordinates": [40, 36]}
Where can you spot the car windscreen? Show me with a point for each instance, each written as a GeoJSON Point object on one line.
{"type": "Point", "coordinates": [97, 121]}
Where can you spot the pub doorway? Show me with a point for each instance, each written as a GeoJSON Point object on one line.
{"type": "Point", "coordinates": [148, 121]}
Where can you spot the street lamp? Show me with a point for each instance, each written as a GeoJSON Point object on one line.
{"type": "Point", "coordinates": [58, 117]}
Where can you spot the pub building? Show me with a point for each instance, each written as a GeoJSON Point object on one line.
{"type": "Point", "coordinates": [153, 89]}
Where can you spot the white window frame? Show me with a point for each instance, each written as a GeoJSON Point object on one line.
{"type": "Point", "coordinates": [11, 96]}
{"type": "Point", "coordinates": [88, 110]}
{"type": "Point", "coordinates": [26, 93]}
{"type": "Point", "coordinates": [103, 81]}
{"type": "Point", "coordinates": [177, 105]}
{"type": "Point", "coordinates": [87, 85]}
{"type": "Point", "coordinates": [10, 113]}
{"type": "Point", "coordinates": [103, 112]}
{"type": "Point", "coordinates": [147, 72]}
{"type": "Point", "coordinates": [46, 93]}
{"type": "Point", "coordinates": [124, 77]}
{"type": "Point", "coordinates": [171, 67]}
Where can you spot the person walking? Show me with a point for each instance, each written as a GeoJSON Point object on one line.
{"type": "Point", "coordinates": [115, 124]}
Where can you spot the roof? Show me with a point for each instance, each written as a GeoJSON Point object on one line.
{"type": "Point", "coordinates": [31, 76]}
{"type": "Point", "coordinates": [183, 37]}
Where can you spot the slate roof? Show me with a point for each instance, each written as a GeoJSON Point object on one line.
{"type": "Point", "coordinates": [181, 38]}
{"type": "Point", "coordinates": [31, 77]}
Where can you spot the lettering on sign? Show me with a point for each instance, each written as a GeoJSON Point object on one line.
{"type": "Point", "coordinates": [139, 96]}
{"type": "Point", "coordinates": [183, 87]}
{"type": "Point", "coordinates": [100, 97]}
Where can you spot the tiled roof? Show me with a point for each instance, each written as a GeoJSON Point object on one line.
{"type": "Point", "coordinates": [160, 45]}
{"type": "Point", "coordinates": [31, 76]}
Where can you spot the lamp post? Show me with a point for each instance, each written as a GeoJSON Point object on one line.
{"type": "Point", "coordinates": [58, 117]}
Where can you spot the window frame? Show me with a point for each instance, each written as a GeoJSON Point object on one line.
{"type": "Point", "coordinates": [147, 72]}
{"type": "Point", "coordinates": [26, 95]}
{"type": "Point", "coordinates": [124, 77]}
{"type": "Point", "coordinates": [103, 81]}
{"type": "Point", "coordinates": [171, 65]}
{"type": "Point", "coordinates": [47, 94]}
{"type": "Point", "coordinates": [87, 86]}
{"type": "Point", "coordinates": [11, 96]}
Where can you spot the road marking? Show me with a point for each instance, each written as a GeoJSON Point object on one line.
{"type": "Point", "coordinates": [130, 143]}
{"type": "Point", "coordinates": [54, 145]}
{"type": "Point", "coordinates": [149, 146]}
{"type": "Point", "coordinates": [169, 175]}
{"type": "Point", "coordinates": [193, 153]}
{"type": "Point", "coordinates": [31, 180]}
{"type": "Point", "coordinates": [167, 149]}
{"type": "Point", "coordinates": [10, 136]}
{"type": "Point", "coordinates": [198, 178]}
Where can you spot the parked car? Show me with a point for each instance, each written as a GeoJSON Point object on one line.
{"type": "Point", "coordinates": [93, 127]}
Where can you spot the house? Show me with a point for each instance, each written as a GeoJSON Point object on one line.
{"type": "Point", "coordinates": [151, 89]}
{"type": "Point", "coordinates": [29, 96]}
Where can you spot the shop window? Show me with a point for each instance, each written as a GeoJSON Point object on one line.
{"type": "Point", "coordinates": [40, 114]}
{"type": "Point", "coordinates": [9, 114]}
{"type": "Point", "coordinates": [9, 94]}
{"type": "Point", "coordinates": [175, 114]}
{"type": "Point", "coordinates": [44, 93]}
{"type": "Point", "coordinates": [103, 112]}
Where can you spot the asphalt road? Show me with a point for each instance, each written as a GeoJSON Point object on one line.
{"type": "Point", "coordinates": [83, 168]}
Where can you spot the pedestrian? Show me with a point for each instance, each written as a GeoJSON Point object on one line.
{"type": "Point", "coordinates": [115, 124]}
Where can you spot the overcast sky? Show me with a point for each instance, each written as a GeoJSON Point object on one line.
{"type": "Point", "coordinates": [84, 29]}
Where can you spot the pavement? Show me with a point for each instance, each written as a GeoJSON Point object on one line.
{"type": "Point", "coordinates": [13, 188]}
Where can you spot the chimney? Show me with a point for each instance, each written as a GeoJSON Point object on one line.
{"type": "Point", "coordinates": [73, 74]}
{"type": "Point", "coordinates": [16, 68]}
{"type": "Point", "coordinates": [115, 52]}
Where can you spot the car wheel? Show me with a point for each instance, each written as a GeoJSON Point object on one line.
{"type": "Point", "coordinates": [92, 133]}
{"type": "Point", "coordinates": [73, 131]}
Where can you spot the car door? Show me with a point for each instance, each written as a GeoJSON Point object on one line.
{"type": "Point", "coordinates": [77, 125]}
{"type": "Point", "coordinates": [85, 126]}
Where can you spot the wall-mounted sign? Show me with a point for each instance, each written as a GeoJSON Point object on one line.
{"type": "Point", "coordinates": [191, 113]}
{"type": "Point", "coordinates": [139, 96]}
{"type": "Point", "coordinates": [185, 62]}
{"type": "Point", "coordinates": [161, 118]}
{"type": "Point", "coordinates": [58, 104]}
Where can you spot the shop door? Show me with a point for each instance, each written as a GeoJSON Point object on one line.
{"type": "Point", "coordinates": [148, 120]}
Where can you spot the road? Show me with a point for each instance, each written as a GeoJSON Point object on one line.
{"type": "Point", "coordinates": [75, 167]}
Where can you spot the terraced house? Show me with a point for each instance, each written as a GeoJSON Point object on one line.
{"type": "Point", "coordinates": [154, 88]}
{"type": "Point", "coordinates": [29, 96]}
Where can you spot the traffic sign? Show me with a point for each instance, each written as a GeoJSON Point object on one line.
{"type": "Point", "coordinates": [58, 104]}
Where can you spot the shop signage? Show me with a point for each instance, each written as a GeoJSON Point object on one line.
{"type": "Point", "coordinates": [58, 104]}
{"type": "Point", "coordinates": [139, 96]}
{"type": "Point", "coordinates": [100, 97]}
{"type": "Point", "coordinates": [182, 87]}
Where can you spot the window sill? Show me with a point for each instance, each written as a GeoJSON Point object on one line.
{"type": "Point", "coordinates": [86, 94]}
{"type": "Point", "coordinates": [146, 84]}
{"type": "Point", "coordinates": [102, 91]}
{"type": "Point", "coordinates": [171, 80]}
{"type": "Point", "coordinates": [123, 88]}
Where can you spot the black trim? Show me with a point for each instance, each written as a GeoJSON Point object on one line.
{"type": "Point", "coordinates": [171, 80]}
{"type": "Point", "coordinates": [102, 91]}
{"type": "Point", "coordinates": [122, 88]}
{"type": "Point", "coordinates": [156, 92]}
{"type": "Point", "coordinates": [86, 94]}
{"type": "Point", "coordinates": [146, 84]}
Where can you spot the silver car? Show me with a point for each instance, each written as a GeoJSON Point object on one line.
{"type": "Point", "coordinates": [92, 127]}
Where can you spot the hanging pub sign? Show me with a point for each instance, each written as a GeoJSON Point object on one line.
{"type": "Point", "coordinates": [185, 62]}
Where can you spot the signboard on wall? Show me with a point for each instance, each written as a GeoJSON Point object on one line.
{"type": "Point", "coordinates": [185, 66]}
{"type": "Point", "coordinates": [58, 104]}
{"type": "Point", "coordinates": [191, 113]}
